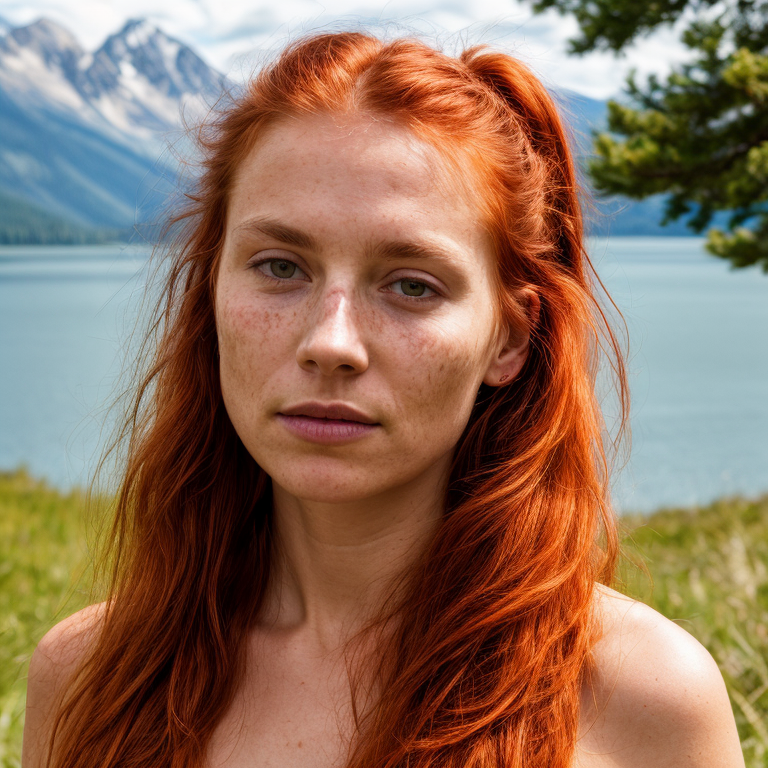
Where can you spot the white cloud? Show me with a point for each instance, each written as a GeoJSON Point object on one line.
{"type": "Point", "coordinates": [231, 35]}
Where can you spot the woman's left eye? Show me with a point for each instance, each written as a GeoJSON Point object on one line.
{"type": "Point", "coordinates": [416, 286]}
{"type": "Point", "coordinates": [279, 268]}
{"type": "Point", "coordinates": [284, 269]}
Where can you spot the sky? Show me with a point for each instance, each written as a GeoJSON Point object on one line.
{"type": "Point", "coordinates": [235, 35]}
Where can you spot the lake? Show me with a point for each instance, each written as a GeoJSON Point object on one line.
{"type": "Point", "coordinates": [698, 363]}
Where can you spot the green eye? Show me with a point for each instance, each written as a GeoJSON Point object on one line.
{"type": "Point", "coordinates": [412, 288]}
{"type": "Point", "coordinates": [280, 268]}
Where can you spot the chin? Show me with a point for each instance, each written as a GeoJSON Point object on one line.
{"type": "Point", "coordinates": [328, 484]}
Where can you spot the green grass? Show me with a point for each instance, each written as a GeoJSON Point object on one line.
{"type": "Point", "coordinates": [709, 570]}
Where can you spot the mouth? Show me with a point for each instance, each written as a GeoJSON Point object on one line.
{"type": "Point", "coordinates": [331, 411]}
{"type": "Point", "coordinates": [320, 429]}
{"type": "Point", "coordinates": [326, 419]}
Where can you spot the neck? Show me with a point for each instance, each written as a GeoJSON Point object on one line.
{"type": "Point", "coordinates": [336, 563]}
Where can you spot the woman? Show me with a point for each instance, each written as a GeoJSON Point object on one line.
{"type": "Point", "coordinates": [365, 517]}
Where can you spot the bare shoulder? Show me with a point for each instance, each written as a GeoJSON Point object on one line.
{"type": "Point", "coordinates": [657, 696]}
{"type": "Point", "coordinates": [63, 644]}
{"type": "Point", "coordinates": [55, 658]}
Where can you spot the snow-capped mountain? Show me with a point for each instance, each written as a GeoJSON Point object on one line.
{"type": "Point", "coordinates": [83, 134]}
{"type": "Point", "coordinates": [137, 82]}
{"type": "Point", "coordinates": [141, 77]}
{"type": "Point", "coordinates": [38, 64]}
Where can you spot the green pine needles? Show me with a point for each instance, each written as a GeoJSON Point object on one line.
{"type": "Point", "coordinates": [701, 135]}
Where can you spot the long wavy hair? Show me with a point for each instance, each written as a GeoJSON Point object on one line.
{"type": "Point", "coordinates": [496, 621]}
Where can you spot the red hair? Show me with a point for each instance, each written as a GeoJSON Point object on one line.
{"type": "Point", "coordinates": [495, 623]}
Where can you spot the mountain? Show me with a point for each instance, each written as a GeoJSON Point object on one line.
{"type": "Point", "coordinates": [88, 138]}
{"type": "Point", "coordinates": [85, 135]}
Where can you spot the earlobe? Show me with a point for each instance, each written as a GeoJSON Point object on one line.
{"type": "Point", "coordinates": [507, 364]}
{"type": "Point", "coordinates": [513, 354]}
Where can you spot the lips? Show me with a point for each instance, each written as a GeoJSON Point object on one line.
{"type": "Point", "coordinates": [335, 411]}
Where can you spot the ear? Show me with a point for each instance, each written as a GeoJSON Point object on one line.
{"type": "Point", "coordinates": [511, 355]}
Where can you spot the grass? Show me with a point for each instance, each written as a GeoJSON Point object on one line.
{"type": "Point", "coordinates": [42, 548]}
{"type": "Point", "coordinates": [708, 571]}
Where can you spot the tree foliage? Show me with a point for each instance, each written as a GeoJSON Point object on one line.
{"type": "Point", "coordinates": [701, 134]}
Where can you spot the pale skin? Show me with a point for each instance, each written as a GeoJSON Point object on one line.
{"type": "Point", "coordinates": [343, 326]}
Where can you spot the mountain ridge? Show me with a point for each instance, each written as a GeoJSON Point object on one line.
{"type": "Point", "coordinates": [85, 135]}
{"type": "Point", "coordinates": [137, 81]}
{"type": "Point", "coordinates": [89, 136]}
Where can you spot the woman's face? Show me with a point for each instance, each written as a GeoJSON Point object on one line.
{"type": "Point", "coordinates": [354, 270]}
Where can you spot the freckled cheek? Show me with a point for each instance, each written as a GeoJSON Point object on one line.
{"type": "Point", "coordinates": [441, 373]}
{"type": "Point", "coordinates": [251, 337]}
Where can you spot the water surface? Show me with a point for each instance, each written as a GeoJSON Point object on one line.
{"type": "Point", "coordinates": [698, 365]}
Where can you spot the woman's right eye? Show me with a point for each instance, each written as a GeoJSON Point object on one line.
{"type": "Point", "coordinates": [279, 269]}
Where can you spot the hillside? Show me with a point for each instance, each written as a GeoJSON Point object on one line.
{"type": "Point", "coordinates": [22, 223]}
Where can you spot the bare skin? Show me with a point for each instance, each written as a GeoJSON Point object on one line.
{"type": "Point", "coordinates": [658, 699]}
{"type": "Point", "coordinates": [307, 308]}
{"type": "Point", "coordinates": [636, 714]}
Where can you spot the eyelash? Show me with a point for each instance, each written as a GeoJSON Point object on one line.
{"type": "Point", "coordinates": [402, 279]}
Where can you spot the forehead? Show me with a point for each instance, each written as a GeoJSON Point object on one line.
{"type": "Point", "coordinates": [359, 171]}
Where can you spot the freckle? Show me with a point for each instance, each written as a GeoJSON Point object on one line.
{"type": "Point", "coordinates": [300, 745]}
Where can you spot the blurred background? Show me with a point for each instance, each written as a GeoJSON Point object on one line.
{"type": "Point", "coordinates": [94, 97]}
{"type": "Point", "coordinates": [667, 103]}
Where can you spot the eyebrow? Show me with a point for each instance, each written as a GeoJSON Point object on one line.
{"type": "Point", "coordinates": [277, 231]}
{"type": "Point", "coordinates": [388, 251]}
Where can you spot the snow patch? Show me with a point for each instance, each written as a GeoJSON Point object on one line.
{"type": "Point", "coordinates": [23, 165]}
{"type": "Point", "coordinates": [26, 73]}
{"type": "Point", "coordinates": [169, 50]}
{"type": "Point", "coordinates": [140, 34]}
{"type": "Point", "coordinates": [127, 70]}
{"type": "Point", "coordinates": [115, 112]}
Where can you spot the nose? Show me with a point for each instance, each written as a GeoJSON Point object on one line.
{"type": "Point", "coordinates": [332, 341]}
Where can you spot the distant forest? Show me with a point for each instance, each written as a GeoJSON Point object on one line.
{"type": "Point", "coordinates": [22, 223]}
